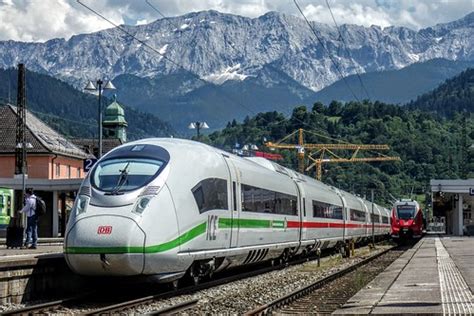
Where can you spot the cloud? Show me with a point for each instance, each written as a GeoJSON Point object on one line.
{"type": "Point", "coordinates": [412, 14]}
{"type": "Point", "coordinates": [46, 19]}
{"type": "Point", "coordinates": [40, 20]}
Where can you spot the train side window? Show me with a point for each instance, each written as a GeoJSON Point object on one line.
{"type": "Point", "coordinates": [234, 192]}
{"type": "Point", "coordinates": [304, 207]}
{"type": "Point", "coordinates": [266, 201]}
{"type": "Point", "coordinates": [357, 215]}
{"type": "Point", "coordinates": [325, 210]}
{"type": "Point", "coordinates": [375, 218]}
{"type": "Point", "coordinates": [385, 219]}
{"type": "Point", "coordinates": [211, 194]}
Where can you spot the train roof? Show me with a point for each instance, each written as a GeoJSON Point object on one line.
{"type": "Point", "coordinates": [184, 145]}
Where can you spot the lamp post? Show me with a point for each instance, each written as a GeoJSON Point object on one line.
{"type": "Point", "coordinates": [91, 88]}
{"type": "Point", "coordinates": [198, 126]}
{"type": "Point", "coordinates": [24, 168]}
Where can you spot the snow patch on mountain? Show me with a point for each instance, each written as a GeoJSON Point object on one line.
{"type": "Point", "coordinates": [230, 73]}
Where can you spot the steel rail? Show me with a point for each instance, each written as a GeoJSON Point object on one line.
{"type": "Point", "coordinates": [175, 308]}
{"type": "Point", "coordinates": [53, 305]}
{"type": "Point", "coordinates": [48, 306]}
{"type": "Point", "coordinates": [266, 308]}
{"type": "Point", "coordinates": [191, 289]}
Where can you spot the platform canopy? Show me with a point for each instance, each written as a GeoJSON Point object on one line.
{"type": "Point", "coordinates": [42, 184]}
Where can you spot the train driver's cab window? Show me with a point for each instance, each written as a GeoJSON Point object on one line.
{"type": "Point", "coordinates": [119, 175]}
{"type": "Point", "coordinates": [211, 194]}
{"type": "Point", "coordinates": [357, 215]}
{"type": "Point", "coordinates": [406, 211]}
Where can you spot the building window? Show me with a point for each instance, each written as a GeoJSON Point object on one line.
{"type": "Point", "coordinates": [357, 215]}
{"type": "Point", "coordinates": [265, 201]}
{"type": "Point", "coordinates": [69, 172]}
{"type": "Point", "coordinates": [326, 210]}
{"type": "Point", "coordinates": [211, 194]}
{"type": "Point", "coordinates": [58, 170]}
{"type": "Point", "coordinates": [78, 172]}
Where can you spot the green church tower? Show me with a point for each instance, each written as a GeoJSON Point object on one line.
{"type": "Point", "coordinates": [114, 123]}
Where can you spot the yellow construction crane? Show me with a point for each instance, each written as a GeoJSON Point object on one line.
{"type": "Point", "coordinates": [322, 150]}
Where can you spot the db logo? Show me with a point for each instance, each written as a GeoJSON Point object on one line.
{"type": "Point", "coordinates": [104, 230]}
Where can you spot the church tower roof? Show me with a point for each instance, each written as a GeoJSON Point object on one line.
{"type": "Point", "coordinates": [114, 114]}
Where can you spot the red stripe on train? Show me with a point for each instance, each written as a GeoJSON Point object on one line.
{"type": "Point", "coordinates": [295, 224]}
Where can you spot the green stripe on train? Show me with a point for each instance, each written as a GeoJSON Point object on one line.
{"type": "Point", "coordinates": [187, 236]}
{"type": "Point", "coordinates": [194, 232]}
{"type": "Point", "coordinates": [250, 223]}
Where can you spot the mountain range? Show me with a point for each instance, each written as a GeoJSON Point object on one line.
{"type": "Point", "coordinates": [213, 66]}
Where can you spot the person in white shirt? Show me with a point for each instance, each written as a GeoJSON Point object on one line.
{"type": "Point", "coordinates": [32, 219]}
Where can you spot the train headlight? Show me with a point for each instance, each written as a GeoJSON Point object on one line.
{"type": "Point", "coordinates": [82, 203]}
{"type": "Point", "coordinates": [141, 204]}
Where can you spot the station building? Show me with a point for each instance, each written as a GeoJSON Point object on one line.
{"type": "Point", "coordinates": [454, 200]}
{"type": "Point", "coordinates": [55, 164]}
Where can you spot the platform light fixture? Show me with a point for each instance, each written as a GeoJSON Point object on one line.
{"type": "Point", "coordinates": [98, 88]}
{"type": "Point", "coordinates": [198, 126]}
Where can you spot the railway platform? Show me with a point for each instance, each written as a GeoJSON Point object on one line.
{"type": "Point", "coordinates": [436, 276]}
{"type": "Point", "coordinates": [32, 274]}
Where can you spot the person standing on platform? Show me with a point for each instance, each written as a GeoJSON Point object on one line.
{"type": "Point", "coordinates": [32, 219]}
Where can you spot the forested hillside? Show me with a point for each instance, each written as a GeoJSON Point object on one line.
{"type": "Point", "coordinates": [395, 86]}
{"type": "Point", "coordinates": [429, 147]}
{"type": "Point", "coordinates": [72, 112]}
{"type": "Point", "coordinates": [454, 96]}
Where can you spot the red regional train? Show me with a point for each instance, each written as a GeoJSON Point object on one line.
{"type": "Point", "coordinates": [407, 221]}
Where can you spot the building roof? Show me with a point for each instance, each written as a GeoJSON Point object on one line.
{"type": "Point", "coordinates": [44, 139]}
{"type": "Point", "coordinates": [90, 146]}
{"type": "Point", "coordinates": [452, 186]}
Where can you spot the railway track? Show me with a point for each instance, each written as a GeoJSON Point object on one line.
{"type": "Point", "coordinates": [47, 306]}
{"type": "Point", "coordinates": [328, 294]}
{"type": "Point", "coordinates": [88, 299]}
{"type": "Point", "coordinates": [88, 303]}
{"type": "Point", "coordinates": [127, 305]}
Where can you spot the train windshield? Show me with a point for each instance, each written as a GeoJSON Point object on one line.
{"type": "Point", "coordinates": [119, 175]}
{"type": "Point", "coordinates": [406, 211]}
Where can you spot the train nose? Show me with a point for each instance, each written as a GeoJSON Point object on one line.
{"type": "Point", "coordinates": [105, 245]}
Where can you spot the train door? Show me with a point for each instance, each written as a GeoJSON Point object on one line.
{"type": "Point", "coordinates": [302, 210]}
{"type": "Point", "coordinates": [345, 215]}
{"type": "Point", "coordinates": [234, 201]}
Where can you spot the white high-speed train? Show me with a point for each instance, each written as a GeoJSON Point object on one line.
{"type": "Point", "coordinates": [167, 206]}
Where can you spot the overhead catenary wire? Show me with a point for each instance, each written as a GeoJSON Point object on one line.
{"type": "Point", "coordinates": [145, 44]}
{"type": "Point", "coordinates": [233, 48]}
{"type": "Point", "coordinates": [320, 41]}
{"type": "Point", "coordinates": [178, 65]}
{"type": "Point", "coordinates": [347, 51]}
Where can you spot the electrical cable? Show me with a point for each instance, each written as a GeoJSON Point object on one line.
{"type": "Point", "coordinates": [327, 52]}
{"type": "Point", "coordinates": [162, 55]}
{"type": "Point", "coordinates": [347, 50]}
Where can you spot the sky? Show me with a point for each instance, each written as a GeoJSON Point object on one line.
{"type": "Point", "coordinates": [41, 20]}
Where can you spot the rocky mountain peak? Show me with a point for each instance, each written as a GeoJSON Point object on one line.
{"type": "Point", "coordinates": [219, 47]}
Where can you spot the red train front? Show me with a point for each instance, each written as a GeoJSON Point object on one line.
{"type": "Point", "coordinates": [407, 220]}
